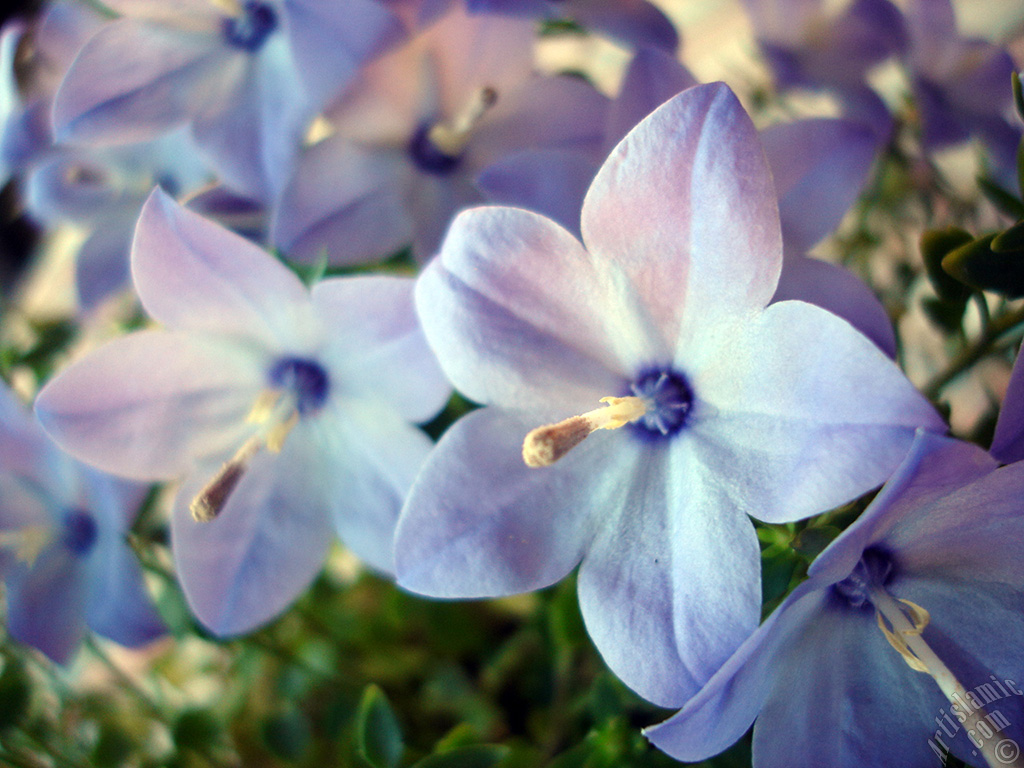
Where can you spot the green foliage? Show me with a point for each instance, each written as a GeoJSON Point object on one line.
{"type": "Point", "coordinates": [378, 734]}
{"type": "Point", "coordinates": [976, 264]}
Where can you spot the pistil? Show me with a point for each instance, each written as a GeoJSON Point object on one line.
{"type": "Point", "coordinates": [276, 413]}
{"type": "Point", "coordinates": [903, 624]}
{"type": "Point", "coordinates": [450, 138]}
{"type": "Point", "coordinates": [545, 445]}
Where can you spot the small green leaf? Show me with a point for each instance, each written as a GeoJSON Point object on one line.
{"type": "Point", "coordinates": [935, 246]}
{"type": "Point", "coordinates": [479, 756]}
{"type": "Point", "coordinates": [977, 265]}
{"type": "Point", "coordinates": [1018, 94]}
{"type": "Point", "coordinates": [113, 748]}
{"type": "Point", "coordinates": [1010, 240]}
{"type": "Point", "coordinates": [1001, 199]}
{"type": "Point", "coordinates": [947, 316]}
{"type": "Point", "coordinates": [1020, 165]}
{"type": "Point", "coordinates": [15, 694]}
{"type": "Point", "coordinates": [287, 734]}
{"type": "Point", "coordinates": [196, 729]}
{"type": "Point", "coordinates": [378, 736]}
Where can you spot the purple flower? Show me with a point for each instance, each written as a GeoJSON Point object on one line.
{"type": "Point", "coordinates": [286, 411]}
{"type": "Point", "coordinates": [1008, 440]}
{"type": "Point", "coordinates": [414, 132]}
{"type": "Point", "coordinates": [962, 85]}
{"type": "Point", "coordinates": [904, 641]}
{"type": "Point", "coordinates": [247, 75]}
{"type": "Point", "coordinates": [63, 554]}
{"type": "Point", "coordinates": [725, 406]}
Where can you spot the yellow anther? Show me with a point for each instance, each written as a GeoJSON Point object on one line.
{"type": "Point", "coordinates": [279, 433]}
{"type": "Point", "coordinates": [27, 542]}
{"type": "Point", "coordinates": [545, 445]}
{"type": "Point", "coordinates": [451, 137]}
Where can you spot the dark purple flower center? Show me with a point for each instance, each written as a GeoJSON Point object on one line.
{"type": "Point", "coordinates": [427, 157]}
{"type": "Point", "coordinates": [305, 379]}
{"type": "Point", "coordinates": [80, 531]}
{"type": "Point", "coordinates": [250, 30]}
{"type": "Point", "coordinates": [668, 397]}
{"type": "Point", "coordinates": [873, 570]}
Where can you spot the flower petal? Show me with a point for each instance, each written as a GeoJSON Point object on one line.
{"type": "Point", "coordinates": [117, 605]}
{"type": "Point", "coordinates": [685, 205]}
{"type": "Point", "coordinates": [842, 293]}
{"type": "Point", "coordinates": [518, 315]}
{"type": "Point", "coordinates": [46, 603]}
{"type": "Point", "coordinates": [265, 547]}
{"type": "Point", "coordinates": [132, 81]}
{"type": "Point", "coordinates": [377, 342]}
{"type": "Point", "coordinates": [146, 404]}
{"type": "Point", "coordinates": [801, 413]}
{"type": "Point", "coordinates": [480, 523]}
{"type": "Point", "coordinates": [1008, 441]}
{"type": "Point", "coordinates": [193, 274]}
{"type": "Point", "coordinates": [671, 585]}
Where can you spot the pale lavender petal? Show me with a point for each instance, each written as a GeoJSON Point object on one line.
{"type": "Point", "coordinates": [330, 41]}
{"type": "Point", "coordinates": [267, 544]}
{"type": "Point", "coordinates": [344, 202]}
{"type": "Point", "coordinates": [636, 22]}
{"type": "Point", "coordinates": [253, 130]}
{"type": "Point", "coordinates": [46, 603]}
{"type": "Point", "coordinates": [434, 202]}
{"type": "Point", "coordinates": [101, 265]}
{"type": "Point", "coordinates": [480, 523]}
{"type": "Point", "coordinates": [550, 182]}
{"type": "Point", "coordinates": [820, 167]}
{"type": "Point", "coordinates": [512, 307]}
{"type": "Point", "coordinates": [807, 414]}
{"type": "Point", "coordinates": [193, 274]}
{"type": "Point", "coordinates": [842, 293]}
{"type": "Point", "coordinates": [698, 234]}
{"type": "Point", "coordinates": [376, 456]}
{"type": "Point", "coordinates": [722, 711]}
{"type": "Point", "coordinates": [377, 346]}
{"type": "Point", "coordinates": [145, 404]}
{"type": "Point", "coordinates": [653, 77]}
{"type": "Point", "coordinates": [1008, 442]}
{"type": "Point", "coordinates": [132, 81]}
{"type": "Point", "coordinates": [671, 585]}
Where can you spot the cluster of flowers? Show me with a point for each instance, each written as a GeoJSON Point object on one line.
{"type": "Point", "coordinates": [652, 280]}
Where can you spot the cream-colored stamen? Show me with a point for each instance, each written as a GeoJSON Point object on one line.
{"type": "Point", "coordinates": [903, 626]}
{"type": "Point", "coordinates": [451, 137]}
{"type": "Point", "coordinates": [276, 414]}
{"type": "Point", "coordinates": [229, 7]}
{"type": "Point", "coordinates": [27, 542]}
{"type": "Point", "coordinates": [545, 445]}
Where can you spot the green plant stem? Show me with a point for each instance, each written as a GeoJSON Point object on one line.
{"type": "Point", "coordinates": [975, 351]}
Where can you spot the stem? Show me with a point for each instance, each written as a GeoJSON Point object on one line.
{"type": "Point", "coordinates": [973, 353]}
{"type": "Point", "coordinates": [952, 688]}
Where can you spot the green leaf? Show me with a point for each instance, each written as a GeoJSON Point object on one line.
{"type": "Point", "coordinates": [1010, 240]}
{"type": "Point", "coordinates": [378, 736]}
{"type": "Point", "coordinates": [1020, 165]}
{"type": "Point", "coordinates": [936, 244]}
{"type": "Point", "coordinates": [810, 542]}
{"type": "Point", "coordinates": [287, 734]}
{"type": "Point", "coordinates": [1018, 95]}
{"type": "Point", "coordinates": [196, 729]}
{"type": "Point", "coordinates": [479, 756]}
{"type": "Point", "coordinates": [1001, 199]}
{"type": "Point", "coordinates": [977, 265]}
{"type": "Point", "coordinates": [15, 694]}
{"type": "Point", "coordinates": [113, 748]}
{"type": "Point", "coordinates": [947, 316]}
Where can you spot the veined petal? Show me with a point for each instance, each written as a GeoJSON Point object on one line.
{"type": "Point", "coordinates": [376, 339]}
{"type": "Point", "coordinates": [247, 565]}
{"type": "Point", "coordinates": [698, 235]}
{"type": "Point", "coordinates": [480, 523]}
{"type": "Point", "coordinates": [193, 274]}
{"type": "Point", "coordinates": [519, 317]}
{"type": "Point", "coordinates": [132, 81]}
{"type": "Point", "coordinates": [375, 457]}
{"type": "Point", "coordinates": [799, 412]}
{"type": "Point", "coordinates": [671, 585]}
{"type": "Point", "coordinates": [146, 404]}
{"type": "Point", "coordinates": [722, 711]}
